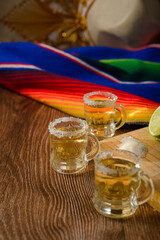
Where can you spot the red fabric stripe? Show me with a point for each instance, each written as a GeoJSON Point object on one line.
{"type": "Point", "coordinates": [46, 82]}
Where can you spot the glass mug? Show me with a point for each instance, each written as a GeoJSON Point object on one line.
{"type": "Point", "coordinates": [100, 108]}
{"type": "Point", "coordinates": [69, 139]}
{"type": "Point", "coordinates": [120, 185]}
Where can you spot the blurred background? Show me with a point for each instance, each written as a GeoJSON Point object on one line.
{"type": "Point", "coordinates": [72, 23]}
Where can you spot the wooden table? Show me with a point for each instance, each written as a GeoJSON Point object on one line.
{"type": "Point", "coordinates": [35, 201]}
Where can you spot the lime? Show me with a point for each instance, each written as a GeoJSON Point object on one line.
{"type": "Point", "coordinates": [154, 123]}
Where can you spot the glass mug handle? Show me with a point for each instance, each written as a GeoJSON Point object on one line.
{"type": "Point", "coordinates": [145, 190]}
{"type": "Point", "coordinates": [123, 118]}
{"type": "Point", "coordinates": [92, 147]}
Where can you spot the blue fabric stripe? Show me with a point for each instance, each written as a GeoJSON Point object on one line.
{"type": "Point", "coordinates": [148, 54]}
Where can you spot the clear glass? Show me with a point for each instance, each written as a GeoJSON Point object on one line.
{"type": "Point", "coordinates": [100, 110]}
{"type": "Point", "coordinates": [69, 139]}
{"type": "Point", "coordinates": [120, 186]}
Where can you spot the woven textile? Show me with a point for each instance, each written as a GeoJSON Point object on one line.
{"type": "Point", "coordinates": [61, 78]}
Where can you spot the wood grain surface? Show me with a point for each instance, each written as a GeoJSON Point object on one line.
{"type": "Point", "coordinates": [35, 201]}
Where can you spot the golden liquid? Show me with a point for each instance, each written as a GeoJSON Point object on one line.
{"type": "Point", "coordinates": [67, 153]}
{"type": "Point", "coordinates": [100, 119]}
{"type": "Point", "coordinates": [120, 182]}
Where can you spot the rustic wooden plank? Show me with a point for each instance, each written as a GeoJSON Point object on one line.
{"type": "Point", "coordinates": [38, 203]}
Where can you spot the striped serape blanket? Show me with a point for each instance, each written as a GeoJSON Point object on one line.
{"type": "Point", "coordinates": [61, 78]}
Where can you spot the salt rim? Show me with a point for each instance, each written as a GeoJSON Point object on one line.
{"type": "Point", "coordinates": [106, 170]}
{"type": "Point", "coordinates": [92, 102]}
{"type": "Point", "coordinates": [60, 134]}
{"type": "Point", "coordinates": [133, 145]}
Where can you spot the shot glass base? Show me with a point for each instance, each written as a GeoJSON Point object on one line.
{"type": "Point", "coordinates": [63, 169]}
{"type": "Point", "coordinates": [102, 133]}
{"type": "Point", "coordinates": [117, 210]}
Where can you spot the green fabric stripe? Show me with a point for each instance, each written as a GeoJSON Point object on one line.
{"type": "Point", "coordinates": [108, 68]}
{"type": "Point", "coordinates": [136, 69]}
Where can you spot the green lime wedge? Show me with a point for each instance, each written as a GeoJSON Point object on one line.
{"type": "Point", "coordinates": [154, 123]}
